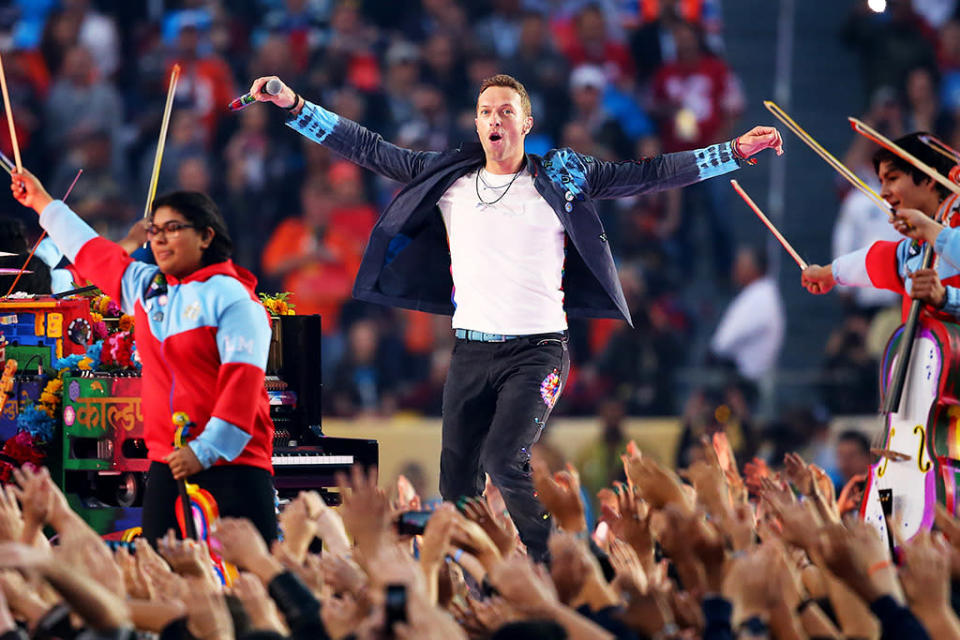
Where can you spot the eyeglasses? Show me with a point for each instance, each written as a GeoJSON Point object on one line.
{"type": "Point", "coordinates": [170, 229]}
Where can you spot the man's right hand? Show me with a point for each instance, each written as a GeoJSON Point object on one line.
{"type": "Point", "coordinates": [817, 279]}
{"type": "Point", "coordinates": [285, 99]}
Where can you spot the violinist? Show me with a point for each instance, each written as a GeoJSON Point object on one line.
{"type": "Point", "coordinates": [896, 265]}
{"type": "Point", "coordinates": [203, 338]}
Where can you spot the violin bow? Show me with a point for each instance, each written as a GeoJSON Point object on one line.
{"type": "Point", "coordinates": [828, 157]}
{"type": "Point", "coordinates": [9, 110]}
{"type": "Point", "coordinates": [158, 157]}
{"type": "Point", "coordinates": [765, 220]}
{"type": "Point", "coordinates": [872, 134]}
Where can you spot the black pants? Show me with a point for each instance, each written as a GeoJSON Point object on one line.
{"type": "Point", "coordinates": [496, 401]}
{"type": "Point", "coordinates": [241, 491]}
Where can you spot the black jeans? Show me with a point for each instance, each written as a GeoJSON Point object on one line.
{"type": "Point", "coordinates": [496, 401]}
{"type": "Point", "coordinates": [241, 491]}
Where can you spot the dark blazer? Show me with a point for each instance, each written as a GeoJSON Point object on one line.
{"type": "Point", "coordinates": [407, 260]}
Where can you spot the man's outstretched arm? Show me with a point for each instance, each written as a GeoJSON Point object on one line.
{"type": "Point", "coordinates": [672, 170]}
{"type": "Point", "coordinates": [344, 136]}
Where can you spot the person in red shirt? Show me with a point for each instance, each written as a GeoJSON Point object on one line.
{"type": "Point", "coordinates": [696, 97]}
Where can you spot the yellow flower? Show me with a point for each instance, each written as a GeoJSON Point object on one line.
{"type": "Point", "coordinates": [282, 308]}
{"type": "Point", "coordinates": [126, 322]}
{"type": "Point", "coordinates": [84, 365]}
{"type": "Point", "coordinates": [96, 317]}
{"type": "Point", "coordinates": [104, 301]}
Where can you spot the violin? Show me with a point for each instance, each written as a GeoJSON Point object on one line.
{"type": "Point", "coordinates": [196, 509]}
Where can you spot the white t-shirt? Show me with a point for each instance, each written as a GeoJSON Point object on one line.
{"type": "Point", "coordinates": [751, 330]}
{"type": "Point", "coordinates": [506, 257]}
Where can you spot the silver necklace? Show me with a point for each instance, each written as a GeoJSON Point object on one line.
{"type": "Point", "coordinates": [484, 203]}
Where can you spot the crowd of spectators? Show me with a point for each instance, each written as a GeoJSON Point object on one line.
{"type": "Point", "coordinates": [618, 80]}
{"type": "Point", "coordinates": [754, 553]}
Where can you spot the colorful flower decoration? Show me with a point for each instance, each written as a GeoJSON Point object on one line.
{"type": "Point", "coordinates": [278, 304]}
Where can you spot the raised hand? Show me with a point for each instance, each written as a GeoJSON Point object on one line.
{"type": "Point", "coordinates": [298, 521]}
{"type": "Point", "coordinates": [758, 139]}
{"type": "Point", "coordinates": [749, 587]}
{"type": "Point", "coordinates": [11, 521]}
{"type": "Point", "coordinates": [526, 587]}
{"type": "Point", "coordinates": [39, 497]}
{"type": "Point", "coordinates": [331, 530]}
{"type": "Point", "coordinates": [137, 582]}
{"type": "Point", "coordinates": [148, 559]}
{"type": "Point", "coordinates": [925, 574]}
{"type": "Point", "coordinates": [207, 615]}
{"type": "Point", "coordinates": [755, 471]}
{"type": "Point", "coordinates": [365, 510]}
{"type": "Point", "coordinates": [285, 99]}
{"type": "Point", "coordinates": [241, 544]}
{"type": "Point", "coordinates": [631, 522]}
{"type": "Point", "coordinates": [471, 537]}
{"type": "Point", "coordinates": [656, 484]}
{"type": "Point", "coordinates": [500, 528]}
{"type": "Point", "coordinates": [647, 610]}
{"type": "Point", "coordinates": [187, 557]}
{"type": "Point", "coordinates": [626, 562]}
{"type": "Point", "coordinates": [799, 473]}
{"type": "Point", "coordinates": [260, 608]}
{"type": "Point", "coordinates": [28, 191]}
{"type": "Point", "coordinates": [342, 573]}
{"type": "Point", "coordinates": [560, 494]}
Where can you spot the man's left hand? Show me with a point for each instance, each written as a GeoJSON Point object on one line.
{"type": "Point", "coordinates": [183, 462]}
{"type": "Point", "coordinates": [928, 288]}
{"type": "Point", "coordinates": [758, 139]}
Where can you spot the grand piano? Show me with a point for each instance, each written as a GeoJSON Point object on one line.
{"type": "Point", "coordinates": [304, 458]}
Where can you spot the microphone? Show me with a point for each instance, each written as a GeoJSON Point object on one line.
{"type": "Point", "coordinates": [273, 87]}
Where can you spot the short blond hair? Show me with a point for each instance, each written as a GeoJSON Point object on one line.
{"type": "Point", "coordinates": [504, 80]}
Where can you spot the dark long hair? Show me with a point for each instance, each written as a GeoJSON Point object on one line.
{"type": "Point", "coordinates": [200, 210]}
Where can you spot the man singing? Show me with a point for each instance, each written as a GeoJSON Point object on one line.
{"type": "Point", "coordinates": [509, 244]}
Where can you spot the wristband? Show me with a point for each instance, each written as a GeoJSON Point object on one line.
{"type": "Point", "coordinates": [735, 147]}
{"type": "Point", "coordinates": [296, 103]}
{"type": "Point", "coordinates": [883, 564]}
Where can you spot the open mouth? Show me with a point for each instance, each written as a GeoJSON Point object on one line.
{"type": "Point", "coordinates": [495, 137]}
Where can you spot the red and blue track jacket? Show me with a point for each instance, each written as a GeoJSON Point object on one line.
{"type": "Point", "coordinates": [203, 342]}
{"type": "Point", "coordinates": [887, 265]}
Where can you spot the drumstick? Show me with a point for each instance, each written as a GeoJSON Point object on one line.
{"type": "Point", "coordinates": [828, 157]}
{"type": "Point", "coordinates": [779, 236]}
{"type": "Point", "coordinates": [167, 109]}
{"type": "Point", "coordinates": [6, 105]}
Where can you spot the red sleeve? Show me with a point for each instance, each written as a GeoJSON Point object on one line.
{"type": "Point", "coordinates": [104, 263]}
{"type": "Point", "coordinates": [882, 266]}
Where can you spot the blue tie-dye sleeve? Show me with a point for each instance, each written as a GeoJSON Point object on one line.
{"type": "Point", "coordinates": [667, 171]}
{"type": "Point", "coordinates": [359, 144]}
